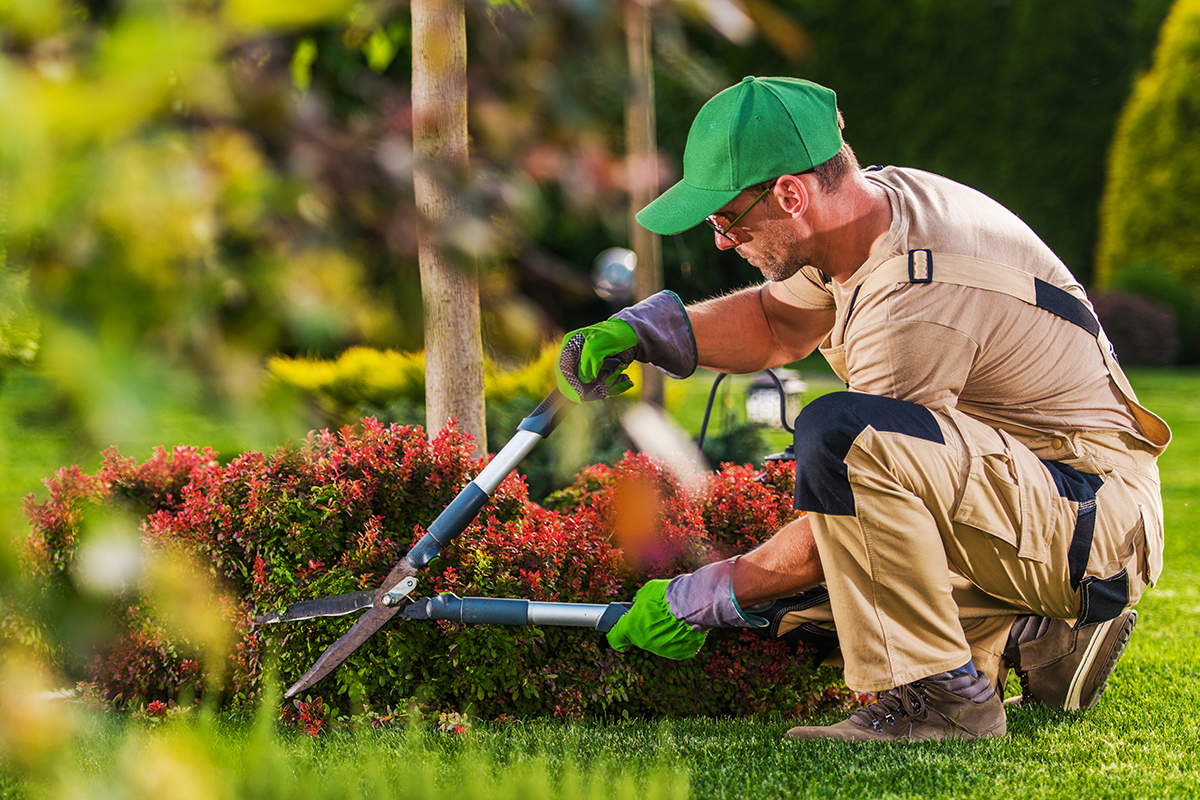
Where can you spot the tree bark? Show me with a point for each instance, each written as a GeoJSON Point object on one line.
{"type": "Point", "coordinates": [449, 286]}
{"type": "Point", "coordinates": [641, 150]}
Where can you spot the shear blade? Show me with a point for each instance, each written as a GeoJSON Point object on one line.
{"type": "Point", "coordinates": [335, 606]}
{"type": "Point", "coordinates": [336, 653]}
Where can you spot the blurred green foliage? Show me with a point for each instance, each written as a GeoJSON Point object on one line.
{"type": "Point", "coordinates": [19, 327]}
{"type": "Point", "coordinates": [1153, 198]}
{"type": "Point", "coordinates": [190, 187]}
{"type": "Point", "coordinates": [1016, 98]}
{"type": "Point", "coordinates": [162, 248]}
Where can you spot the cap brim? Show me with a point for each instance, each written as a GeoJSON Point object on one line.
{"type": "Point", "coordinates": [682, 207]}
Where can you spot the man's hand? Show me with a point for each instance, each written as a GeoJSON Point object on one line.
{"type": "Point", "coordinates": [650, 625]}
{"type": "Point", "coordinates": [582, 356]}
{"type": "Point", "coordinates": [655, 331]}
{"type": "Point", "coordinates": [669, 618]}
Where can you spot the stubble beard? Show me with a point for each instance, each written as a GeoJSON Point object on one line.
{"type": "Point", "coordinates": [783, 260]}
{"type": "Point", "coordinates": [779, 270]}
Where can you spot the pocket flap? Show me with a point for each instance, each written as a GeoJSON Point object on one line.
{"type": "Point", "coordinates": [1152, 530]}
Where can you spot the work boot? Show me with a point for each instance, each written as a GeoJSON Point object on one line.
{"type": "Point", "coordinates": [1065, 668]}
{"type": "Point", "coordinates": [943, 706]}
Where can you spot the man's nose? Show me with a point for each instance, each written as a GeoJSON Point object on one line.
{"type": "Point", "coordinates": [725, 242]}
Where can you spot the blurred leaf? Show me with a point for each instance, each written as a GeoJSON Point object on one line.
{"type": "Point", "coordinates": [35, 727]}
{"type": "Point", "coordinates": [302, 60]}
{"type": "Point", "coordinates": [383, 44]}
{"type": "Point", "coordinates": [32, 18]}
{"type": "Point", "coordinates": [176, 763]}
{"type": "Point", "coordinates": [110, 556]}
{"type": "Point", "coordinates": [185, 601]}
{"type": "Point", "coordinates": [725, 16]}
{"type": "Point", "coordinates": [786, 35]}
{"type": "Point", "coordinates": [143, 67]}
{"type": "Point", "coordinates": [284, 14]}
{"type": "Point", "coordinates": [19, 327]}
{"type": "Point", "coordinates": [137, 71]}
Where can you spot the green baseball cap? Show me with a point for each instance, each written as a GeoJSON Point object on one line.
{"type": "Point", "coordinates": [750, 133]}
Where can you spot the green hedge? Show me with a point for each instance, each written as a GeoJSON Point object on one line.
{"type": "Point", "coordinates": [1156, 284]}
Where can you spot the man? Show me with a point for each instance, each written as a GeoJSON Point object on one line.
{"type": "Point", "coordinates": [985, 494]}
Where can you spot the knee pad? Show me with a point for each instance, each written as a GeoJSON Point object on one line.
{"type": "Point", "coordinates": [828, 427]}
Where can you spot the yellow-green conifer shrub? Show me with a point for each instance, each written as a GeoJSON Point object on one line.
{"type": "Point", "coordinates": [378, 377]}
{"type": "Point", "coordinates": [360, 374]}
{"type": "Point", "coordinates": [1151, 208]}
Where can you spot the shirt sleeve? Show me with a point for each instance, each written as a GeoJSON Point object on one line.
{"type": "Point", "coordinates": [806, 289]}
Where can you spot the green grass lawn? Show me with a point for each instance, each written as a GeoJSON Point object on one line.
{"type": "Point", "coordinates": [1141, 741]}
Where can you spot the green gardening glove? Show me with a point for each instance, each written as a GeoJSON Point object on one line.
{"type": "Point", "coordinates": [583, 355]}
{"type": "Point", "coordinates": [650, 625]}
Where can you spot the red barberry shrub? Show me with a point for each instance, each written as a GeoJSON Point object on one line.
{"type": "Point", "coordinates": [335, 513]}
{"type": "Point", "coordinates": [642, 508]}
{"type": "Point", "coordinates": [56, 521]}
{"type": "Point", "coordinates": [143, 665]}
{"type": "Point", "coordinates": [158, 483]}
{"type": "Point", "coordinates": [311, 716]}
{"type": "Point", "coordinates": [157, 710]}
{"type": "Point", "coordinates": [746, 505]}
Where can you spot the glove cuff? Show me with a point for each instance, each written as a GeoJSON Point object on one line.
{"type": "Point", "coordinates": [704, 599]}
{"type": "Point", "coordinates": [664, 333]}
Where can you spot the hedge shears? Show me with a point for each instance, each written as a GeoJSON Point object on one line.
{"type": "Point", "coordinates": [394, 596]}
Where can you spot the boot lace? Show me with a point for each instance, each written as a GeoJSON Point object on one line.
{"type": "Point", "coordinates": [893, 706]}
{"type": "Point", "coordinates": [1023, 675]}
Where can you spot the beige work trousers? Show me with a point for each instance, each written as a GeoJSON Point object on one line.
{"type": "Point", "coordinates": [947, 542]}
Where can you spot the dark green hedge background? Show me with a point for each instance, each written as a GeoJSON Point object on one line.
{"type": "Point", "coordinates": [1018, 99]}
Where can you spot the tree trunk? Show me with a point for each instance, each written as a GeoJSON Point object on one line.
{"type": "Point", "coordinates": [449, 287]}
{"type": "Point", "coordinates": [641, 151]}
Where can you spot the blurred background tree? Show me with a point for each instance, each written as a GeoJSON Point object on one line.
{"type": "Point", "coordinates": [449, 280]}
{"type": "Point", "coordinates": [1150, 242]}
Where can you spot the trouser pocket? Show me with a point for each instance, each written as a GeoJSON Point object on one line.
{"type": "Point", "coordinates": [1005, 493]}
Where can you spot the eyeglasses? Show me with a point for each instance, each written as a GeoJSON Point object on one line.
{"type": "Point", "coordinates": [717, 221]}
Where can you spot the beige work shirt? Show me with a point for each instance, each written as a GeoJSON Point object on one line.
{"type": "Point", "coordinates": [991, 356]}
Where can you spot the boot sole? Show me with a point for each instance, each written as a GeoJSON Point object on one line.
{"type": "Point", "coordinates": [1098, 680]}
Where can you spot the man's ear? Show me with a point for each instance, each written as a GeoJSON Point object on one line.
{"type": "Point", "coordinates": [792, 194]}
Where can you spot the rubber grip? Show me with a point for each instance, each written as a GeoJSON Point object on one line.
{"type": "Point", "coordinates": [610, 616]}
{"type": "Point", "coordinates": [547, 415]}
{"type": "Point", "coordinates": [453, 520]}
{"type": "Point", "coordinates": [479, 610]}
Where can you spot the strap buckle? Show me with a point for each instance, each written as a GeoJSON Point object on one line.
{"type": "Point", "coordinates": [920, 266]}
